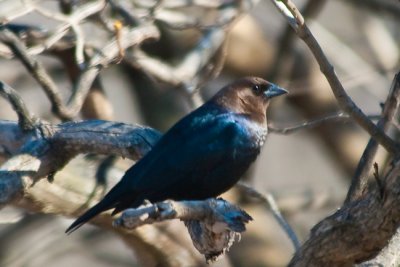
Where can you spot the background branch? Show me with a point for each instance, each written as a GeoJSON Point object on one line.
{"type": "Point", "coordinates": [268, 198]}
{"type": "Point", "coordinates": [296, 20]}
{"type": "Point", "coordinates": [360, 178]}
{"type": "Point", "coordinates": [25, 120]}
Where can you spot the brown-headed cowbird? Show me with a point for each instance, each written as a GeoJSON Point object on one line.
{"type": "Point", "coordinates": [201, 156]}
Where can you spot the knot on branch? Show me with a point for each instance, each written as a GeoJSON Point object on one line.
{"type": "Point", "coordinates": [213, 224]}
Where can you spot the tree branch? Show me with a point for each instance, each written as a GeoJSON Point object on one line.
{"type": "Point", "coordinates": [270, 200]}
{"type": "Point", "coordinates": [26, 121]}
{"type": "Point", "coordinates": [338, 117]}
{"type": "Point", "coordinates": [356, 232]}
{"type": "Point", "coordinates": [360, 178]}
{"type": "Point", "coordinates": [213, 224]}
{"type": "Point", "coordinates": [296, 20]}
{"type": "Point", "coordinates": [37, 71]}
{"type": "Point", "coordinates": [72, 192]}
{"type": "Point", "coordinates": [103, 58]}
{"type": "Point", "coordinates": [190, 65]}
{"type": "Point", "coordinates": [49, 148]}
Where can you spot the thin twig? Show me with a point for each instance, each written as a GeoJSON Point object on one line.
{"type": "Point", "coordinates": [103, 58]}
{"type": "Point", "coordinates": [26, 121]}
{"type": "Point", "coordinates": [314, 123]}
{"type": "Point", "coordinates": [72, 21]}
{"type": "Point", "coordinates": [296, 20]}
{"type": "Point", "coordinates": [270, 200]}
{"type": "Point", "coordinates": [309, 124]}
{"type": "Point", "coordinates": [190, 65]}
{"type": "Point", "coordinates": [360, 178]}
{"type": "Point", "coordinates": [37, 71]}
{"type": "Point", "coordinates": [286, 41]}
{"type": "Point", "coordinates": [129, 37]}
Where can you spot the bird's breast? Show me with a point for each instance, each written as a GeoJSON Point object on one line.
{"type": "Point", "coordinates": [256, 133]}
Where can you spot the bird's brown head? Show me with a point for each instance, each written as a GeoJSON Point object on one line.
{"type": "Point", "coordinates": [249, 96]}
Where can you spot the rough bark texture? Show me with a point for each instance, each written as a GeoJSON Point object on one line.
{"type": "Point", "coordinates": [47, 148]}
{"type": "Point", "coordinates": [358, 231]}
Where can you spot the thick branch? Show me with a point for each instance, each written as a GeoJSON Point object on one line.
{"type": "Point", "coordinates": [356, 232]}
{"type": "Point", "coordinates": [48, 148]}
{"type": "Point", "coordinates": [212, 223]}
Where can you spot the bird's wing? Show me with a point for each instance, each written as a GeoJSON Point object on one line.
{"type": "Point", "coordinates": [194, 147]}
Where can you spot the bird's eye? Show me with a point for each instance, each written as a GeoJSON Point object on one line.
{"type": "Point", "coordinates": [257, 88]}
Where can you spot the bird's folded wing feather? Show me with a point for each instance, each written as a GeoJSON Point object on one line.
{"type": "Point", "coordinates": [197, 148]}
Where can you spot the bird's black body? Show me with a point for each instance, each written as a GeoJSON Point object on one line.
{"type": "Point", "coordinates": [200, 157]}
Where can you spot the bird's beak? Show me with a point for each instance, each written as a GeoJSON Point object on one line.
{"type": "Point", "coordinates": [274, 90]}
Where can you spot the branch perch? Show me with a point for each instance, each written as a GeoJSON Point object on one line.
{"type": "Point", "coordinates": [213, 224]}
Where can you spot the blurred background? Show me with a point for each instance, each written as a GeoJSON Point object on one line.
{"type": "Point", "coordinates": [308, 171]}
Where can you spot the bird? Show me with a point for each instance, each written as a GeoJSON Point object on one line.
{"type": "Point", "coordinates": [202, 155]}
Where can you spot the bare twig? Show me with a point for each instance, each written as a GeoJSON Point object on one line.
{"type": "Point", "coordinates": [129, 38]}
{"type": "Point", "coordinates": [270, 200]}
{"type": "Point", "coordinates": [84, 11]}
{"type": "Point", "coordinates": [190, 65]}
{"type": "Point", "coordinates": [307, 125]}
{"type": "Point", "coordinates": [360, 178]}
{"type": "Point", "coordinates": [96, 104]}
{"type": "Point", "coordinates": [103, 58]}
{"type": "Point", "coordinates": [73, 22]}
{"type": "Point", "coordinates": [314, 123]}
{"type": "Point", "coordinates": [25, 120]}
{"type": "Point", "coordinates": [37, 71]}
{"type": "Point", "coordinates": [170, 13]}
{"type": "Point", "coordinates": [296, 20]}
{"type": "Point", "coordinates": [286, 41]}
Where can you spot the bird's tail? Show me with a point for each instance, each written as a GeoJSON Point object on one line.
{"type": "Point", "coordinates": [108, 202]}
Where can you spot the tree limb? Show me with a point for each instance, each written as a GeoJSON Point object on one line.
{"type": "Point", "coordinates": [296, 20]}
{"type": "Point", "coordinates": [213, 224]}
{"type": "Point", "coordinates": [360, 178]}
{"type": "Point", "coordinates": [49, 148]}
{"type": "Point", "coordinates": [356, 232]}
